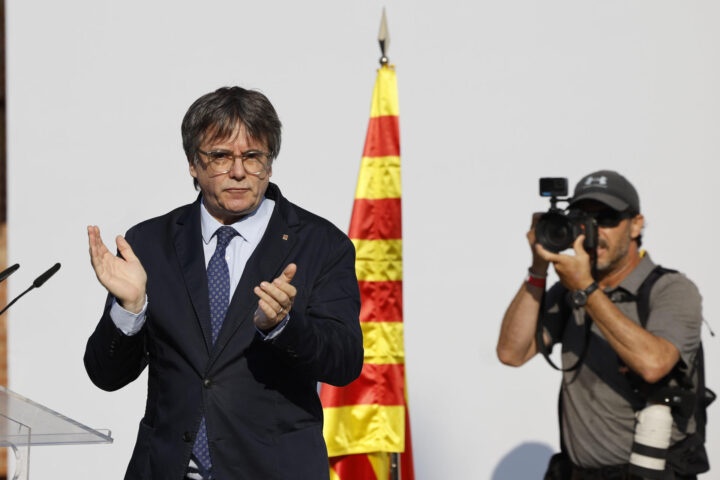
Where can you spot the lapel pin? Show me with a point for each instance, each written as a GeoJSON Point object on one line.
{"type": "Point", "coordinates": [285, 237]}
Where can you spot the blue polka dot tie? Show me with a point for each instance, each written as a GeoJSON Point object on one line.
{"type": "Point", "coordinates": [219, 296]}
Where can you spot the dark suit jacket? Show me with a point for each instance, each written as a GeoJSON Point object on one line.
{"type": "Point", "coordinates": [259, 397]}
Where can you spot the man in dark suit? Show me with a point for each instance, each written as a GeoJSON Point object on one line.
{"type": "Point", "coordinates": [238, 303]}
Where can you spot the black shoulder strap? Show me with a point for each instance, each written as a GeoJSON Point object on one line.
{"type": "Point", "coordinates": [565, 312]}
{"type": "Point", "coordinates": [642, 302]}
{"type": "Point", "coordinates": [642, 298]}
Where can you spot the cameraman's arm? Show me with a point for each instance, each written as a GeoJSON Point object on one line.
{"type": "Point", "coordinates": [516, 344]}
{"type": "Point", "coordinates": [648, 355]}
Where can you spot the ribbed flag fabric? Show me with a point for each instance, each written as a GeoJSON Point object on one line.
{"type": "Point", "coordinates": [368, 419]}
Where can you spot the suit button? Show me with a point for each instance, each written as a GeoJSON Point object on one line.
{"type": "Point", "coordinates": [187, 437]}
{"type": "Point", "coordinates": [207, 382]}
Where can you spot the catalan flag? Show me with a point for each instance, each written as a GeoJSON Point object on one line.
{"type": "Point", "coordinates": [368, 419]}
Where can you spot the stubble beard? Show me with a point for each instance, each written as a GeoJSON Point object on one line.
{"type": "Point", "coordinates": [617, 256]}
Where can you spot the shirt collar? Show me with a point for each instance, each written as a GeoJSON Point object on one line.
{"type": "Point", "coordinates": [251, 227]}
{"type": "Point", "coordinates": [632, 282]}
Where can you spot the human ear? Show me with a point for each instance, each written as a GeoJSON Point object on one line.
{"type": "Point", "coordinates": [637, 223]}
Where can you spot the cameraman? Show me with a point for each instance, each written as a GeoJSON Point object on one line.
{"type": "Point", "coordinates": [598, 401]}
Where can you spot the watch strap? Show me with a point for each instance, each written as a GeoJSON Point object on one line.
{"type": "Point", "coordinates": [590, 289]}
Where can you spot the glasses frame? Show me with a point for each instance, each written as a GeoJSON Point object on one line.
{"type": "Point", "coordinates": [261, 174]}
{"type": "Point", "coordinates": [609, 218]}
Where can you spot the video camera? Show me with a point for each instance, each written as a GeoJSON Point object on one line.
{"type": "Point", "coordinates": [557, 229]}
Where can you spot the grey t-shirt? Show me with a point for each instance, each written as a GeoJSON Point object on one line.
{"type": "Point", "coordinates": [598, 418]}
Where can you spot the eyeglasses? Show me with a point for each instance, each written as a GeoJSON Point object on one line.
{"type": "Point", "coordinates": [253, 161]}
{"type": "Point", "coordinates": [609, 218]}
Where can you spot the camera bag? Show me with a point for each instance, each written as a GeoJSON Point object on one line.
{"type": "Point", "coordinates": [687, 457]}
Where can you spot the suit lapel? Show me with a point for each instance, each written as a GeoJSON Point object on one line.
{"type": "Point", "coordinates": [188, 244]}
{"type": "Point", "coordinates": [265, 264]}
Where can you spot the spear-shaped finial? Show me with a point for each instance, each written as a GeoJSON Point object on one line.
{"type": "Point", "coordinates": [384, 39]}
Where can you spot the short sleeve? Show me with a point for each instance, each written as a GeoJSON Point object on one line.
{"type": "Point", "coordinates": [676, 314]}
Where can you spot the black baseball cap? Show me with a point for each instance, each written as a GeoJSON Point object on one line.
{"type": "Point", "coordinates": [608, 187]}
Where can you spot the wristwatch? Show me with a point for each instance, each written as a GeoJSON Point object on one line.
{"type": "Point", "coordinates": [579, 297]}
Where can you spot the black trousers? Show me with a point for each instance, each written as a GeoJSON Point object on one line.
{"type": "Point", "coordinates": [618, 472]}
{"type": "Point", "coordinates": [561, 468]}
{"type": "Point", "coordinates": [613, 472]}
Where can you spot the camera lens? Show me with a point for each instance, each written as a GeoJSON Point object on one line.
{"type": "Point", "coordinates": [557, 234]}
{"type": "Point", "coordinates": [554, 232]}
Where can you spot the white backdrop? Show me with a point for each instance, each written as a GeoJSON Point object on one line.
{"type": "Point", "coordinates": [493, 95]}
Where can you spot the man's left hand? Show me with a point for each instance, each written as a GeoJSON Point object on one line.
{"type": "Point", "coordinates": [275, 299]}
{"type": "Point", "coordinates": [573, 270]}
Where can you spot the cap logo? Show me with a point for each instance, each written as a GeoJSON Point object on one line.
{"type": "Point", "coordinates": [596, 181]}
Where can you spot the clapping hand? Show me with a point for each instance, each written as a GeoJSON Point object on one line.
{"type": "Point", "coordinates": [275, 299]}
{"type": "Point", "coordinates": [123, 276]}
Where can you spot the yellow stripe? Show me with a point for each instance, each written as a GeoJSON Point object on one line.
{"type": "Point", "coordinates": [381, 464]}
{"type": "Point", "coordinates": [379, 177]}
{"type": "Point", "coordinates": [378, 260]}
{"type": "Point", "coordinates": [383, 342]}
{"type": "Point", "coordinates": [385, 97]}
{"type": "Point", "coordinates": [378, 250]}
{"type": "Point", "coordinates": [364, 429]}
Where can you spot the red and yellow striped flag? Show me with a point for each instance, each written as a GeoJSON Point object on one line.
{"type": "Point", "coordinates": [368, 419]}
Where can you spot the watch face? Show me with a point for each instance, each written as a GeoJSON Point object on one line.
{"type": "Point", "coordinates": [579, 298]}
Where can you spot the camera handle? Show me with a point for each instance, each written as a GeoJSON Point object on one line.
{"type": "Point", "coordinates": [554, 200]}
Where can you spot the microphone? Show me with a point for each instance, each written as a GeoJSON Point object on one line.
{"type": "Point", "coordinates": [8, 271]}
{"type": "Point", "coordinates": [44, 277]}
{"type": "Point", "coordinates": [36, 284]}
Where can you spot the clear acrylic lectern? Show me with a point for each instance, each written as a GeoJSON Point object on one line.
{"type": "Point", "coordinates": [24, 423]}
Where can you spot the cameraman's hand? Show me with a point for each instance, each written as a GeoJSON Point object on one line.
{"type": "Point", "coordinates": [539, 264]}
{"type": "Point", "coordinates": [573, 270]}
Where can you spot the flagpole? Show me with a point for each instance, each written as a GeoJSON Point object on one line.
{"type": "Point", "coordinates": [384, 41]}
{"type": "Point", "coordinates": [394, 466]}
{"type": "Point", "coordinates": [368, 435]}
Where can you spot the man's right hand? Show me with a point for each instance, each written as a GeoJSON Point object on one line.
{"type": "Point", "coordinates": [539, 264]}
{"type": "Point", "coordinates": [124, 276]}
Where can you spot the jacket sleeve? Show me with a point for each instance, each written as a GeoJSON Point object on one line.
{"type": "Point", "coordinates": [324, 339]}
{"type": "Point", "coordinates": [113, 359]}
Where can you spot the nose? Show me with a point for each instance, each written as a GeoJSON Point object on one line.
{"type": "Point", "coordinates": [237, 171]}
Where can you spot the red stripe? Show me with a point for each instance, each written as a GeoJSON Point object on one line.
{"type": "Point", "coordinates": [374, 219]}
{"type": "Point", "coordinates": [381, 301]}
{"type": "Point", "coordinates": [353, 467]}
{"type": "Point", "coordinates": [376, 385]}
{"type": "Point", "coordinates": [383, 137]}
